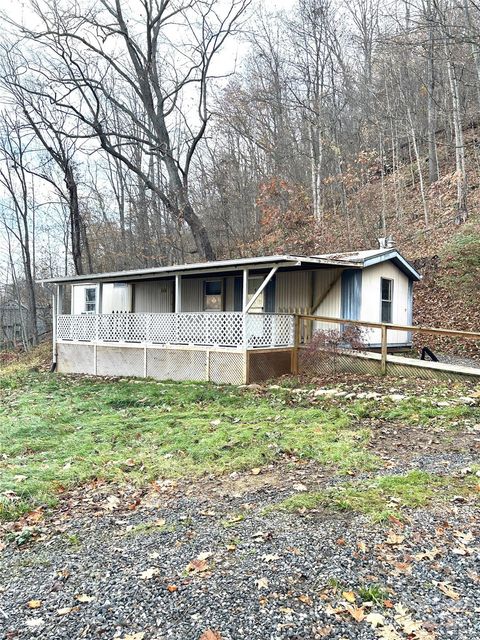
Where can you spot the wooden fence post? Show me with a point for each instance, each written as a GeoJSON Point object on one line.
{"type": "Point", "coordinates": [383, 367]}
{"type": "Point", "coordinates": [296, 341]}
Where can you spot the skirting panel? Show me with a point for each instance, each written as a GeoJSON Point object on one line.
{"type": "Point", "coordinates": [75, 358]}
{"type": "Point", "coordinates": [227, 367]}
{"type": "Point", "coordinates": [266, 365]}
{"type": "Point", "coordinates": [176, 364]}
{"type": "Point", "coordinates": [119, 361]}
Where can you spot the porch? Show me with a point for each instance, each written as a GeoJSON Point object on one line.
{"type": "Point", "coordinates": [208, 329]}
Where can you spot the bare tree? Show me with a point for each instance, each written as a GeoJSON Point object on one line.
{"type": "Point", "coordinates": [159, 51]}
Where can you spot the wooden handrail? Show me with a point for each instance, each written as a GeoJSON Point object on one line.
{"type": "Point", "coordinates": [394, 327]}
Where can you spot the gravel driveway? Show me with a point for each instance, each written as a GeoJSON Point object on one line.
{"type": "Point", "coordinates": [205, 560]}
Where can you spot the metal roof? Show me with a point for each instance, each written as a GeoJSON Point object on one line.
{"type": "Point", "coordinates": [356, 259]}
{"type": "Point", "coordinates": [370, 257]}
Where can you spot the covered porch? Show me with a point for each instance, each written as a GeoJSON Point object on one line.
{"type": "Point", "coordinates": [208, 329]}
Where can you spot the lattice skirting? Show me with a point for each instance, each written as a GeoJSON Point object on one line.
{"type": "Point", "coordinates": [221, 366]}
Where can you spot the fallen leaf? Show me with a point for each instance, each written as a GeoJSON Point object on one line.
{"type": "Point", "coordinates": [362, 546]}
{"type": "Point", "coordinates": [306, 600]}
{"type": "Point", "coordinates": [84, 598]}
{"type": "Point", "coordinates": [112, 502]}
{"type": "Point", "coordinates": [447, 590]}
{"type": "Point", "coordinates": [357, 613]}
{"type": "Point", "coordinates": [172, 588]}
{"type": "Point", "coordinates": [66, 610]}
{"type": "Point", "coordinates": [389, 633]}
{"type": "Point", "coordinates": [134, 636]}
{"type": "Point", "coordinates": [256, 471]}
{"type": "Point", "coordinates": [349, 596]}
{"type": "Point", "coordinates": [231, 547]}
{"type": "Point", "coordinates": [429, 555]}
{"type": "Point", "coordinates": [197, 566]}
{"type": "Point", "coordinates": [375, 619]}
{"type": "Point", "coordinates": [149, 573]}
{"type": "Point", "coordinates": [394, 538]}
{"type": "Point", "coordinates": [262, 583]}
{"type": "Point", "coordinates": [34, 623]}
{"type": "Point", "coordinates": [286, 610]}
{"type": "Point", "coordinates": [298, 486]}
{"type": "Point", "coordinates": [34, 604]}
{"type": "Point", "coordinates": [270, 558]}
{"type": "Point", "coordinates": [205, 555]}
{"type": "Point", "coordinates": [209, 634]}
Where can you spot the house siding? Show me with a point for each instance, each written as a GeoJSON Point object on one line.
{"type": "Point", "coordinates": [293, 292]}
{"type": "Point", "coordinates": [154, 297]}
{"type": "Point", "coordinates": [371, 305]}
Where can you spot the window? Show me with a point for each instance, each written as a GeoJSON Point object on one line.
{"type": "Point", "coordinates": [90, 299]}
{"type": "Point", "coordinates": [253, 285]}
{"type": "Point", "coordinates": [213, 295]}
{"type": "Point", "coordinates": [386, 288]}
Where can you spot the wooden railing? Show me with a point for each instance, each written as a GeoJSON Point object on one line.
{"type": "Point", "coordinates": [382, 326]}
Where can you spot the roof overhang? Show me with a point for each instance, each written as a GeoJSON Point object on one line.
{"type": "Point", "coordinates": [224, 267]}
{"type": "Point", "coordinates": [217, 266]}
{"type": "Point", "coordinates": [398, 260]}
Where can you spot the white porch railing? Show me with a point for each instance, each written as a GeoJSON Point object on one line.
{"type": "Point", "coordinates": [225, 329]}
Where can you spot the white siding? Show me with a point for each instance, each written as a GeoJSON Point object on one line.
{"type": "Point", "coordinates": [154, 297]}
{"type": "Point", "coordinates": [371, 300]}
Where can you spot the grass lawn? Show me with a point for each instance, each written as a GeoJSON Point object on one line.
{"type": "Point", "coordinates": [57, 432]}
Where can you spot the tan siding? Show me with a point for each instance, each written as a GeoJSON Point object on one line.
{"type": "Point", "coordinates": [329, 282]}
{"type": "Point", "coordinates": [153, 297]}
{"type": "Point", "coordinates": [192, 294]}
{"type": "Point", "coordinates": [229, 288]}
{"type": "Point", "coordinates": [293, 292]}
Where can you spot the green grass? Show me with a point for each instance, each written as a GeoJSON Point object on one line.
{"type": "Point", "coordinates": [57, 432]}
{"type": "Point", "coordinates": [383, 496]}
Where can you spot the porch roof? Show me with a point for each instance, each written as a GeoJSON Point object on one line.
{"type": "Point", "coordinates": [352, 260]}
{"type": "Point", "coordinates": [259, 262]}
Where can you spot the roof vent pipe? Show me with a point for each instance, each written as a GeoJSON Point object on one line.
{"type": "Point", "coordinates": [386, 243]}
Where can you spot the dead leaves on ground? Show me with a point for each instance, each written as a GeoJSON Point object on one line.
{"type": "Point", "coordinates": [210, 634]}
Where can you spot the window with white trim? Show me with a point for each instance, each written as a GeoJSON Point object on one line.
{"type": "Point", "coordinates": [386, 293]}
{"type": "Point", "coordinates": [90, 299]}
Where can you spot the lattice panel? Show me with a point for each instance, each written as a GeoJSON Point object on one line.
{"type": "Point", "coordinates": [210, 329]}
{"type": "Point", "coordinates": [122, 327]}
{"type": "Point", "coordinates": [177, 364]}
{"type": "Point", "coordinates": [270, 330]}
{"type": "Point", "coordinates": [75, 358]}
{"type": "Point", "coordinates": [77, 327]}
{"type": "Point", "coordinates": [227, 367]}
{"type": "Point", "coordinates": [266, 365]}
{"type": "Point", "coordinates": [119, 361]}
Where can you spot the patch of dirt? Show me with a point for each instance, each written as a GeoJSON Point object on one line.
{"type": "Point", "coordinates": [401, 442]}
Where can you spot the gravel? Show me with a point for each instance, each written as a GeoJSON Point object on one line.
{"type": "Point", "coordinates": [270, 575]}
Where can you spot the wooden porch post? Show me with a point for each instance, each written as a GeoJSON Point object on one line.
{"type": "Point", "coordinates": [178, 293]}
{"type": "Point", "coordinates": [383, 366]}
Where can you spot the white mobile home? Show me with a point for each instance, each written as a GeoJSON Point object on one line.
{"type": "Point", "coordinates": [224, 321]}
